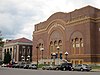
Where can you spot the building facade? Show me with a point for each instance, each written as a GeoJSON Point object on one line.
{"type": "Point", "coordinates": [20, 50]}
{"type": "Point", "coordinates": [0, 53]}
{"type": "Point", "coordinates": [74, 36]}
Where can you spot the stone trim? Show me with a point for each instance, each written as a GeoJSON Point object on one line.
{"type": "Point", "coordinates": [85, 19]}
{"type": "Point", "coordinates": [17, 43]}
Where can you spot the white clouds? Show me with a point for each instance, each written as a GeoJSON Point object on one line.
{"type": "Point", "coordinates": [17, 17]}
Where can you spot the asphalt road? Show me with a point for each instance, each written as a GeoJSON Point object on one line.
{"type": "Point", "coordinates": [12, 71]}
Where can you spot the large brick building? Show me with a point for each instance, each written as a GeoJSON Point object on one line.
{"type": "Point", "coordinates": [76, 32]}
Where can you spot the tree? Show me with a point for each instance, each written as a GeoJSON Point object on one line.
{"type": "Point", "coordinates": [1, 38]}
{"type": "Point", "coordinates": [7, 58]}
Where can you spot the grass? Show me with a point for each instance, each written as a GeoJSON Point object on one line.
{"type": "Point", "coordinates": [95, 67]}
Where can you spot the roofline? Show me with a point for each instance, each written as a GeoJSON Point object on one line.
{"type": "Point", "coordinates": [17, 43]}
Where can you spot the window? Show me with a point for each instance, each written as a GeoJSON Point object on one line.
{"type": "Point", "coordinates": [5, 50]}
{"type": "Point", "coordinates": [81, 42]}
{"type": "Point", "coordinates": [10, 50]}
{"type": "Point", "coordinates": [77, 44]}
{"type": "Point", "coordinates": [55, 43]}
{"type": "Point", "coordinates": [51, 46]}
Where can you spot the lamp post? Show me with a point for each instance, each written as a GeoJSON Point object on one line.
{"type": "Point", "coordinates": [37, 55]}
{"type": "Point", "coordinates": [22, 57]}
{"type": "Point", "coordinates": [58, 54]}
{"type": "Point", "coordinates": [42, 49]}
{"type": "Point", "coordinates": [54, 54]}
{"type": "Point", "coordinates": [66, 53]}
{"type": "Point", "coordinates": [28, 58]}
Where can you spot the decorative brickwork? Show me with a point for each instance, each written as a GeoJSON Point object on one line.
{"type": "Point", "coordinates": [77, 33]}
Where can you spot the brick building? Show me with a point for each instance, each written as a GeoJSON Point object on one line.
{"type": "Point", "coordinates": [20, 50]}
{"type": "Point", "coordinates": [74, 36]}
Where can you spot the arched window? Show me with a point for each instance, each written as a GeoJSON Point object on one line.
{"type": "Point", "coordinates": [81, 42]}
{"type": "Point", "coordinates": [60, 45]}
{"type": "Point", "coordinates": [60, 42]}
{"type": "Point", "coordinates": [77, 42]}
{"type": "Point", "coordinates": [73, 43]}
{"type": "Point", "coordinates": [55, 43]}
{"type": "Point", "coordinates": [40, 45]}
{"type": "Point", "coordinates": [51, 46]}
{"type": "Point", "coordinates": [51, 43]}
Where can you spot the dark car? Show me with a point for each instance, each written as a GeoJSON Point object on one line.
{"type": "Point", "coordinates": [15, 65]}
{"type": "Point", "coordinates": [64, 66]}
{"type": "Point", "coordinates": [58, 67]}
{"type": "Point", "coordinates": [82, 67]}
{"type": "Point", "coordinates": [21, 65]}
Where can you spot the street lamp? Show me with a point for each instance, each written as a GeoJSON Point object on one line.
{"type": "Point", "coordinates": [58, 53]}
{"type": "Point", "coordinates": [22, 58]}
{"type": "Point", "coordinates": [42, 49]}
{"type": "Point", "coordinates": [54, 54]}
{"type": "Point", "coordinates": [66, 53]}
{"type": "Point", "coordinates": [28, 58]}
{"type": "Point", "coordinates": [37, 55]}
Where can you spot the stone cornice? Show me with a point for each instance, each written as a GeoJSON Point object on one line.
{"type": "Point", "coordinates": [17, 43]}
{"type": "Point", "coordinates": [78, 21]}
{"type": "Point", "coordinates": [84, 55]}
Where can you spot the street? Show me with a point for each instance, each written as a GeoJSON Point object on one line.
{"type": "Point", "coordinates": [15, 71]}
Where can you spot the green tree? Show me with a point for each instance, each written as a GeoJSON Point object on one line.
{"type": "Point", "coordinates": [7, 58]}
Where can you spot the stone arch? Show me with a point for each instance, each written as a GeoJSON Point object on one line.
{"type": "Point", "coordinates": [41, 43]}
{"type": "Point", "coordinates": [56, 23]}
{"type": "Point", "coordinates": [76, 34]}
{"type": "Point", "coordinates": [56, 36]}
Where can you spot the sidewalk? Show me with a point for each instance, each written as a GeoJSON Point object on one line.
{"type": "Point", "coordinates": [95, 70]}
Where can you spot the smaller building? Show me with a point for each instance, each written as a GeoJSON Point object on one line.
{"type": "Point", "coordinates": [20, 50]}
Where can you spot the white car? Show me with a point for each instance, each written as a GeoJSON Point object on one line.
{"type": "Point", "coordinates": [49, 67]}
{"type": "Point", "coordinates": [82, 67]}
{"type": "Point", "coordinates": [33, 66]}
{"type": "Point", "coordinates": [4, 65]}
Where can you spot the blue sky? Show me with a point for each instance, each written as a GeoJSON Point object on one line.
{"type": "Point", "coordinates": [18, 17]}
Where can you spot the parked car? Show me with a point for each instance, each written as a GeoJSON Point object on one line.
{"type": "Point", "coordinates": [4, 65]}
{"type": "Point", "coordinates": [45, 67]}
{"type": "Point", "coordinates": [33, 66]}
{"type": "Point", "coordinates": [64, 66]}
{"type": "Point", "coordinates": [26, 66]}
{"type": "Point", "coordinates": [82, 67]}
{"type": "Point", "coordinates": [21, 65]}
{"type": "Point", "coordinates": [15, 65]}
{"type": "Point", "coordinates": [49, 67]}
{"type": "Point", "coordinates": [9, 65]}
{"type": "Point", "coordinates": [58, 67]}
